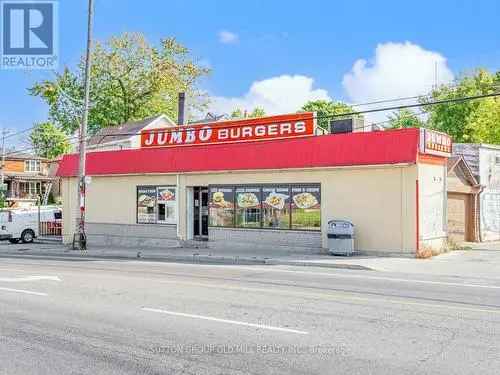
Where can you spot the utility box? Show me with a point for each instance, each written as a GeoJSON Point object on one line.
{"type": "Point", "coordinates": [340, 237]}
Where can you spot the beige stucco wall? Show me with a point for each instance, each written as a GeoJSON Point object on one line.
{"type": "Point", "coordinates": [380, 201]}
{"type": "Point", "coordinates": [432, 202]}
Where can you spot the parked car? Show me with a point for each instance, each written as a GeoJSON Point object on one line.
{"type": "Point", "coordinates": [23, 224]}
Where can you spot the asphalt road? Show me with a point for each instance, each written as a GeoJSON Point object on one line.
{"type": "Point", "coordinates": [132, 317]}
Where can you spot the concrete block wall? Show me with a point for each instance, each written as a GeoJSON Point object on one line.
{"type": "Point", "coordinates": [132, 235]}
{"type": "Point", "coordinates": [288, 241]}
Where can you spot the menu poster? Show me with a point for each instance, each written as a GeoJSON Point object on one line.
{"type": "Point", "coordinates": [248, 197]}
{"type": "Point", "coordinates": [146, 203]}
{"type": "Point", "coordinates": [276, 197]}
{"type": "Point", "coordinates": [221, 206]}
{"type": "Point", "coordinates": [276, 207]}
{"type": "Point", "coordinates": [306, 211]}
{"type": "Point", "coordinates": [306, 197]}
{"type": "Point", "coordinates": [166, 194]}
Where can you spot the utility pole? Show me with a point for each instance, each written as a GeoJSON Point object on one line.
{"type": "Point", "coordinates": [2, 178]}
{"type": "Point", "coordinates": [81, 237]}
{"type": "Point", "coordinates": [3, 191]}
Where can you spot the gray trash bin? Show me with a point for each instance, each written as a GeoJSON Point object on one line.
{"type": "Point", "coordinates": [340, 237]}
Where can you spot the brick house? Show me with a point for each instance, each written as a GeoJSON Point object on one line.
{"type": "Point", "coordinates": [27, 176]}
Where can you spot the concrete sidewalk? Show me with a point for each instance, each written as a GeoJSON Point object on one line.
{"type": "Point", "coordinates": [249, 256]}
{"type": "Point", "coordinates": [481, 261]}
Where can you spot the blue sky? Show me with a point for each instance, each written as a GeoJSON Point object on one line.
{"type": "Point", "coordinates": [289, 51]}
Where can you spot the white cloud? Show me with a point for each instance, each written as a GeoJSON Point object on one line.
{"type": "Point", "coordinates": [228, 37]}
{"type": "Point", "coordinates": [397, 70]}
{"type": "Point", "coordinates": [282, 94]}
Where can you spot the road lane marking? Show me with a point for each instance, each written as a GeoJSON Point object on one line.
{"type": "Point", "coordinates": [193, 316]}
{"type": "Point", "coordinates": [335, 296]}
{"type": "Point", "coordinates": [24, 292]}
{"type": "Point", "coordinates": [270, 269]}
{"type": "Point", "coordinates": [28, 279]}
{"type": "Point", "coordinates": [380, 278]}
{"type": "Point", "coordinates": [13, 269]}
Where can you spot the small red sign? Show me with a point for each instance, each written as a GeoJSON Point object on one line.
{"type": "Point", "coordinates": [435, 143]}
{"type": "Point", "coordinates": [258, 129]}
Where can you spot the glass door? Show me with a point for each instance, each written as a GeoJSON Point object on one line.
{"type": "Point", "coordinates": [200, 213]}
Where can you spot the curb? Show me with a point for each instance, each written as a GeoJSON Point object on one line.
{"type": "Point", "coordinates": [192, 259]}
{"type": "Point", "coordinates": [301, 263]}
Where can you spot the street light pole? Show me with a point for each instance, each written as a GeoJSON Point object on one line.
{"type": "Point", "coordinates": [82, 241]}
{"type": "Point", "coordinates": [2, 177]}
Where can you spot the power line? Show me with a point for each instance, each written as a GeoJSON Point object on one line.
{"type": "Point", "coordinates": [437, 102]}
{"type": "Point", "coordinates": [19, 132]}
{"type": "Point", "coordinates": [75, 139]}
{"type": "Point", "coordinates": [190, 129]}
{"type": "Point", "coordinates": [346, 114]}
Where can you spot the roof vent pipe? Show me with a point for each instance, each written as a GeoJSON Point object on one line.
{"type": "Point", "coordinates": [181, 114]}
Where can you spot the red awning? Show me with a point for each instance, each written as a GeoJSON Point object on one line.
{"type": "Point", "coordinates": [370, 148]}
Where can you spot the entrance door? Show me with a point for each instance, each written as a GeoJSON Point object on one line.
{"type": "Point", "coordinates": [458, 217]}
{"type": "Point", "coordinates": [200, 213]}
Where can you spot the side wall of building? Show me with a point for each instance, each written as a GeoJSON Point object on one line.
{"type": "Point", "coordinates": [432, 205]}
{"type": "Point", "coordinates": [489, 176]}
{"type": "Point", "coordinates": [380, 201]}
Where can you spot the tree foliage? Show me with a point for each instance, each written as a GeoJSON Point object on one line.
{"type": "Point", "coordinates": [405, 118]}
{"type": "Point", "coordinates": [257, 112]}
{"type": "Point", "coordinates": [48, 141]}
{"type": "Point", "coordinates": [484, 122]}
{"type": "Point", "coordinates": [130, 80]}
{"type": "Point", "coordinates": [326, 108]}
{"type": "Point", "coordinates": [468, 121]}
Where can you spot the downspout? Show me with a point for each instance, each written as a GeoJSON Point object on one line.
{"type": "Point", "coordinates": [478, 211]}
{"type": "Point", "coordinates": [177, 206]}
{"type": "Point", "coordinates": [417, 198]}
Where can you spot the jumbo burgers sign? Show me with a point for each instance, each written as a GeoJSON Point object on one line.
{"type": "Point", "coordinates": [247, 130]}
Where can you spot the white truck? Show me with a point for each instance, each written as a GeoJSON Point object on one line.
{"type": "Point", "coordinates": [23, 224]}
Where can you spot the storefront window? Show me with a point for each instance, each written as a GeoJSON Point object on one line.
{"type": "Point", "coordinates": [286, 206]}
{"type": "Point", "coordinates": [306, 207]}
{"type": "Point", "coordinates": [166, 203]}
{"type": "Point", "coordinates": [276, 207]}
{"type": "Point", "coordinates": [221, 206]}
{"type": "Point", "coordinates": [248, 207]}
{"type": "Point", "coordinates": [156, 205]}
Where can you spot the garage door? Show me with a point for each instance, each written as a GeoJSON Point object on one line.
{"type": "Point", "coordinates": [457, 218]}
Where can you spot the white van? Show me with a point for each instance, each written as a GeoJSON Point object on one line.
{"type": "Point", "coordinates": [22, 224]}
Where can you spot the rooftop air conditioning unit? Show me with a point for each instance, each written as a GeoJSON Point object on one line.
{"type": "Point", "coordinates": [347, 125]}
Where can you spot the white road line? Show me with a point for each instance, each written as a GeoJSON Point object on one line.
{"type": "Point", "coordinates": [336, 296]}
{"type": "Point", "coordinates": [28, 278]}
{"type": "Point", "coordinates": [13, 270]}
{"type": "Point", "coordinates": [272, 328]}
{"type": "Point", "coordinates": [380, 278]}
{"type": "Point", "coordinates": [24, 292]}
{"type": "Point", "coordinates": [270, 269]}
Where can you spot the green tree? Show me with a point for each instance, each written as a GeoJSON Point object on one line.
{"type": "Point", "coordinates": [130, 80]}
{"type": "Point", "coordinates": [48, 141]}
{"type": "Point", "coordinates": [257, 112]}
{"type": "Point", "coordinates": [405, 118]}
{"type": "Point", "coordinates": [465, 121]}
{"type": "Point", "coordinates": [484, 122]}
{"type": "Point", "coordinates": [326, 108]}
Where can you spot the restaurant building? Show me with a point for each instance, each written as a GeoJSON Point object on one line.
{"type": "Point", "coordinates": [262, 183]}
